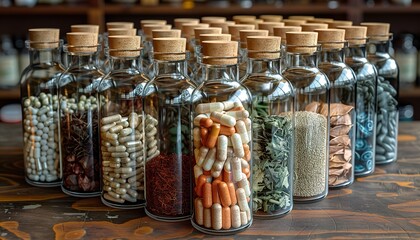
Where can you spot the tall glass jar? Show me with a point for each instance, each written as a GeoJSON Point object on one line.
{"type": "Point", "coordinates": [79, 121]}
{"type": "Point", "coordinates": [222, 143]}
{"type": "Point", "coordinates": [166, 106]}
{"type": "Point", "coordinates": [342, 107]}
{"type": "Point", "coordinates": [366, 85]}
{"type": "Point", "coordinates": [312, 117]}
{"type": "Point", "coordinates": [273, 128]}
{"type": "Point", "coordinates": [121, 126]}
{"type": "Point", "coordinates": [39, 91]}
{"type": "Point", "coordinates": [387, 92]}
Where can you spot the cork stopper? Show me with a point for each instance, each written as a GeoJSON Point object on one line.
{"type": "Point", "coordinates": [215, 37]}
{"type": "Point", "coordinates": [271, 18]}
{"type": "Point", "coordinates": [124, 46]}
{"type": "Point", "coordinates": [148, 28]}
{"type": "Point", "coordinates": [44, 38]}
{"type": "Point", "coordinates": [293, 22]}
{"type": "Point", "coordinates": [223, 25]}
{"type": "Point", "coordinates": [152, 22]}
{"type": "Point", "coordinates": [169, 49]}
{"type": "Point", "coordinates": [220, 52]}
{"type": "Point", "coordinates": [188, 28]}
{"type": "Point", "coordinates": [239, 18]}
{"type": "Point", "coordinates": [302, 42]}
{"type": "Point", "coordinates": [82, 42]}
{"type": "Point", "coordinates": [178, 22]}
{"type": "Point", "coordinates": [119, 25]}
{"type": "Point", "coordinates": [212, 19]}
{"type": "Point", "coordinates": [122, 31]}
{"type": "Point", "coordinates": [377, 31]}
{"type": "Point", "coordinates": [246, 33]}
{"type": "Point", "coordinates": [269, 26]}
{"type": "Point", "coordinates": [89, 28]}
{"type": "Point", "coordinates": [337, 23]}
{"type": "Point", "coordinates": [320, 20]}
{"type": "Point", "coordinates": [331, 38]}
{"type": "Point", "coordinates": [263, 47]}
{"type": "Point", "coordinates": [161, 33]}
{"type": "Point", "coordinates": [300, 17]}
{"type": "Point", "coordinates": [234, 30]}
{"type": "Point", "coordinates": [310, 27]}
{"type": "Point", "coordinates": [355, 35]}
{"type": "Point", "coordinates": [253, 22]}
{"type": "Point", "coordinates": [281, 31]}
{"type": "Point", "coordinates": [209, 30]}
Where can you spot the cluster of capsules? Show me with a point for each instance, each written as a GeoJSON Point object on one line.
{"type": "Point", "coordinates": [222, 132]}
{"type": "Point", "coordinates": [122, 155]}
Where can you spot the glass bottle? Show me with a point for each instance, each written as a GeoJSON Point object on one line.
{"type": "Point", "coordinates": [312, 117]}
{"type": "Point", "coordinates": [273, 128]}
{"type": "Point", "coordinates": [222, 143]}
{"type": "Point", "coordinates": [243, 60]}
{"type": "Point", "coordinates": [39, 91]}
{"type": "Point", "coordinates": [79, 121]}
{"type": "Point", "coordinates": [121, 126]}
{"type": "Point", "coordinates": [9, 63]}
{"type": "Point", "coordinates": [366, 85]}
{"type": "Point", "coordinates": [166, 106]}
{"type": "Point", "coordinates": [387, 91]}
{"type": "Point", "coordinates": [342, 106]}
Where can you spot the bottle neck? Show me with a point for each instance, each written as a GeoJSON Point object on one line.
{"type": "Point", "coordinates": [301, 60]}
{"type": "Point", "coordinates": [125, 63]}
{"type": "Point", "coordinates": [379, 48]}
{"type": "Point", "coordinates": [226, 73]}
{"type": "Point", "coordinates": [170, 67]}
{"type": "Point", "coordinates": [332, 55]}
{"type": "Point", "coordinates": [356, 51]}
{"type": "Point", "coordinates": [83, 60]}
{"type": "Point", "coordinates": [44, 56]}
{"type": "Point", "coordinates": [265, 66]}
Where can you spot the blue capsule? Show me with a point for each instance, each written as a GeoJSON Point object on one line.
{"type": "Point", "coordinates": [361, 144]}
{"type": "Point", "coordinates": [366, 156]}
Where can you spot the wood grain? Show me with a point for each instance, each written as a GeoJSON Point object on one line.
{"type": "Point", "coordinates": [385, 205]}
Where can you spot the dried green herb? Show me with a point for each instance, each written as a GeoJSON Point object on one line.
{"type": "Point", "coordinates": [272, 156]}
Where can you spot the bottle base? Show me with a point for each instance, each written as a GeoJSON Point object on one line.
{"type": "Point", "coordinates": [297, 199]}
{"type": "Point", "coordinates": [136, 205]}
{"type": "Point", "coordinates": [42, 184]}
{"type": "Point", "coordinates": [342, 185]}
{"type": "Point", "coordinates": [167, 219]}
{"type": "Point", "coordinates": [221, 232]}
{"type": "Point", "coordinates": [80, 194]}
{"type": "Point", "coordinates": [271, 216]}
{"type": "Point", "coordinates": [363, 174]}
{"type": "Point", "coordinates": [385, 162]}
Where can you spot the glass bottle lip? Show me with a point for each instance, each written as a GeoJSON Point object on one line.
{"type": "Point", "coordinates": [220, 60]}
{"type": "Point", "coordinates": [380, 38]}
{"type": "Point", "coordinates": [333, 45]}
{"type": "Point", "coordinates": [302, 49]}
{"type": "Point", "coordinates": [43, 45]}
{"type": "Point", "coordinates": [82, 50]}
{"type": "Point", "coordinates": [264, 55]}
{"type": "Point", "coordinates": [169, 56]}
{"type": "Point", "coordinates": [123, 53]}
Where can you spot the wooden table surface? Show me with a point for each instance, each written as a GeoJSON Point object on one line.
{"type": "Point", "coordinates": [385, 205]}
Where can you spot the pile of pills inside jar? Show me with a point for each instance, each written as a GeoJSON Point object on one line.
{"type": "Point", "coordinates": [122, 155]}
{"type": "Point", "coordinates": [69, 105]}
{"type": "Point", "coordinates": [222, 132]}
{"type": "Point", "coordinates": [41, 138]}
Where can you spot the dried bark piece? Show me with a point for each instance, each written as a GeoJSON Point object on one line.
{"type": "Point", "coordinates": [313, 107]}
{"type": "Point", "coordinates": [339, 130]}
{"type": "Point", "coordinates": [343, 140]}
{"type": "Point", "coordinates": [337, 109]}
{"type": "Point", "coordinates": [336, 148]}
{"type": "Point", "coordinates": [341, 120]}
{"type": "Point", "coordinates": [338, 158]}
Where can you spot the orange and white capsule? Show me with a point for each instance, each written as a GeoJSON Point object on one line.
{"type": "Point", "coordinates": [223, 119]}
{"type": "Point", "coordinates": [226, 218]}
{"type": "Point", "coordinates": [198, 118]}
{"type": "Point", "coordinates": [248, 125]}
{"type": "Point", "coordinates": [241, 130]}
{"type": "Point", "coordinates": [213, 135]}
{"type": "Point", "coordinates": [228, 105]}
{"type": "Point", "coordinates": [209, 160]}
{"type": "Point", "coordinates": [203, 153]}
{"type": "Point", "coordinates": [207, 195]}
{"type": "Point", "coordinates": [222, 146]}
{"type": "Point", "coordinates": [216, 216]}
{"type": "Point", "coordinates": [227, 131]}
{"type": "Point", "coordinates": [215, 191]}
{"type": "Point", "coordinates": [242, 114]}
{"type": "Point", "coordinates": [197, 172]}
{"type": "Point", "coordinates": [243, 183]}
{"type": "Point", "coordinates": [199, 211]}
{"type": "Point", "coordinates": [224, 194]}
{"type": "Point", "coordinates": [207, 217]}
{"type": "Point", "coordinates": [236, 169]}
{"type": "Point", "coordinates": [209, 107]}
{"type": "Point", "coordinates": [238, 149]}
{"type": "Point", "coordinates": [232, 193]}
{"type": "Point", "coordinates": [197, 137]}
{"type": "Point", "coordinates": [235, 216]}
